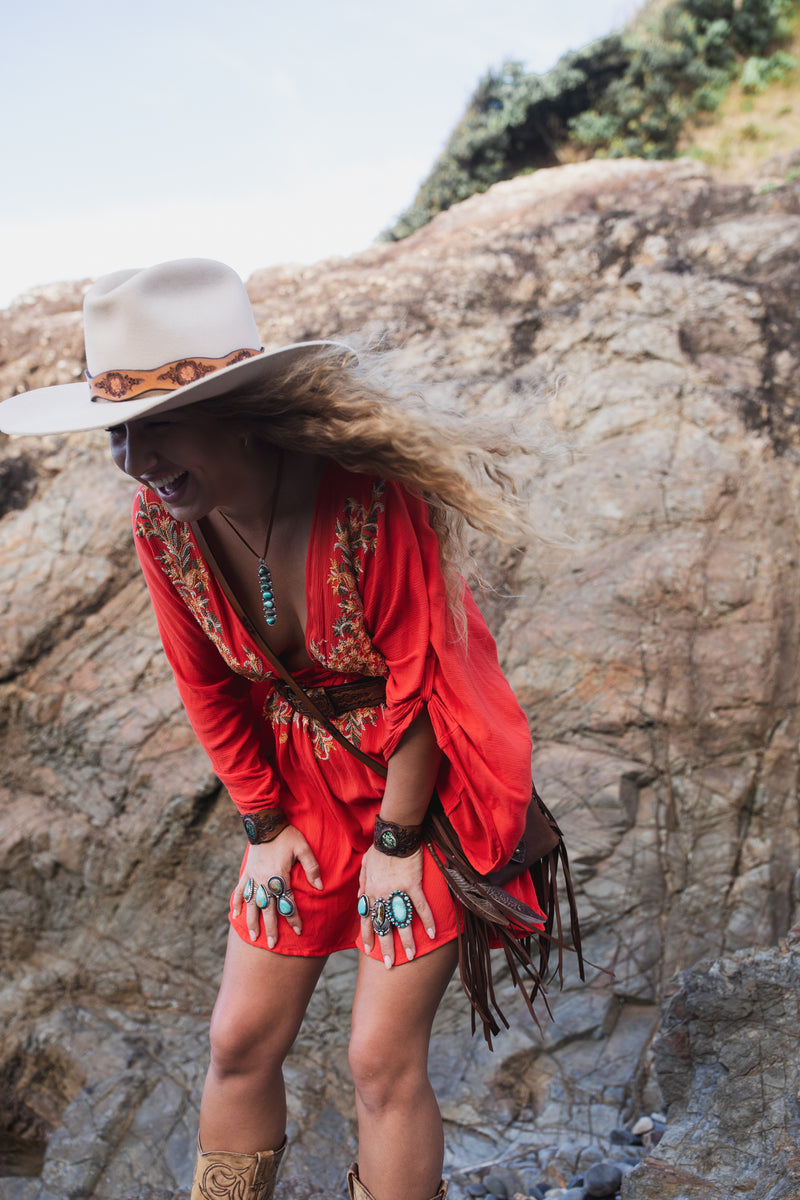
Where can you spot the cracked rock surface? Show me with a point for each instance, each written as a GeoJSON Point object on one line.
{"type": "Point", "coordinates": [726, 1058]}
{"type": "Point", "coordinates": [640, 320]}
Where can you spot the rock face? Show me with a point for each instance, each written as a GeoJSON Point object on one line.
{"type": "Point", "coordinates": [726, 1058]}
{"type": "Point", "coordinates": [641, 322]}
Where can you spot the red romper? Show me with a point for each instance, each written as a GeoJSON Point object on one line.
{"type": "Point", "coordinates": [376, 606]}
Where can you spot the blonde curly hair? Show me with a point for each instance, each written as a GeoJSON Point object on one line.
{"type": "Point", "coordinates": [341, 409]}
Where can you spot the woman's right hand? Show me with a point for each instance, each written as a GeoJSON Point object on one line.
{"type": "Point", "coordinates": [275, 858]}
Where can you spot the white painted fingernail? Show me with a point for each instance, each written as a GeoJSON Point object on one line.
{"type": "Point", "coordinates": [253, 936]}
{"type": "Point", "coordinates": [431, 933]}
{"type": "Point", "coordinates": [366, 948]}
{"type": "Point", "coordinates": [409, 954]}
{"type": "Point", "coordinates": [271, 943]}
{"type": "Point", "coordinates": [387, 962]}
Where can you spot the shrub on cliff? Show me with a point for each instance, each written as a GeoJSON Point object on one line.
{"type": "Point", "coordinates": [622, 95]}
{"type": "Point", "coordinates": [513, 122]}
{"type": "Point", "coordinates": [684, 65]}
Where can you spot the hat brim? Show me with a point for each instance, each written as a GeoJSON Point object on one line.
{"type": "Point", "coordinates": [70, 407]}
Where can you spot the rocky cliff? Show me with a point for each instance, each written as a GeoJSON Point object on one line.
{"type": "Point", "coordinates": [640, 320]}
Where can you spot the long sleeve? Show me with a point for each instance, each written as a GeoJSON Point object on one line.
{"type": "Point", "coordinates": [385, 544]}
{"type": "Point", "coordinates": [218, 701]}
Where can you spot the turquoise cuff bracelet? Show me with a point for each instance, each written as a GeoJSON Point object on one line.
{"type": "Point", "coordinates": [398, 841]}
{"type": "Point", "coordinates": [264, 825]}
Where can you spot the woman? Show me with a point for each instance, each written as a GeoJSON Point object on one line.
{"type": "Point", "coordinates": [284, 499]}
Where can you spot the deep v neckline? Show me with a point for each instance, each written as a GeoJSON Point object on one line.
{"type": "Point", "coordinates": [240, 613]}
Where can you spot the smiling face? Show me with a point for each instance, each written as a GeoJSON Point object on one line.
{"type": "Point", "coordinates": [193, 462]}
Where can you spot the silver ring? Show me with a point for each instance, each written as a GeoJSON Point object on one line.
{"type": "Point", "coordinates": [282, 894]}
{"type": "Point", "coordinates": [381, 921]}
{"type": "Point", "coordinates": [400, 910]}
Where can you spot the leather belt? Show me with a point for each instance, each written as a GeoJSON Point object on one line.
{"type": "Point", "coordinates": [341, 698]}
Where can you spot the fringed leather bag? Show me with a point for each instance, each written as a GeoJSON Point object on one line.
{"type": "Point", "coordinates": [486, 912]}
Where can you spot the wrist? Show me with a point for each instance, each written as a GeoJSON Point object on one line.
{"type": "Point", "coordinates": [264, 825]}
{"type": "Point", "coordinates": [396, 841]}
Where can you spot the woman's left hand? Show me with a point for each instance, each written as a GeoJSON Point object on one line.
{"type": "Point", "coordinates": [381, 875]}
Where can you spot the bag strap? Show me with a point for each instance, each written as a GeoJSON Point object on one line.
{"type": "Point", "coordinates": [275, 662]}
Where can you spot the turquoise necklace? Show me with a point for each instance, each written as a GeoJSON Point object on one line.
{"type": "Point", "coordinates": [264, 573]}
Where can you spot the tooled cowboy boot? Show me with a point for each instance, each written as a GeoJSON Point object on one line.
{"type": "Point", "coordinates": [357, 1191]}
{"type": "Point", "coordinates": [222, 1175]}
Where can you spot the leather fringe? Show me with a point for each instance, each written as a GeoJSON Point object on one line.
{"type": "Point", "coordinates": [486, 912]}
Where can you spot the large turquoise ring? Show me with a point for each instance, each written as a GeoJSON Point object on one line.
{"type": "Point", "coordinates": [400, 909]}
{"type": "Point", "coordinates": [278, 889]}
{"type": "Point", "coordinates": [249, 889]}
{"type": "Point", "coordinates": [363, 906]}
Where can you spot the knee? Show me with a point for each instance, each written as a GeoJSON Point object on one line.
{"type": "Point", "coordinates": [385, 1072]}
{"type": "Point", "coordinates": [239, 1046]}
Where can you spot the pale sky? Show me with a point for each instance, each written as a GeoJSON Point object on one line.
{"type": "Point", "coordinates": [246, 130]}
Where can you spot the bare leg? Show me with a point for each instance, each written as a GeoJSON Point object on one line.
{"type": "Point", "coordinates": [400, 1140]}
{"type": "Point", "coordinates": [260, 1007]}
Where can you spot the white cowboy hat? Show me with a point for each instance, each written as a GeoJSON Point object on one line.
{"type": "Point", "coordinates": [156, 339]}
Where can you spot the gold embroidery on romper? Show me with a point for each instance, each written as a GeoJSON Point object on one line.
{"type": "Point", "coordinates": [349, 649]}
{"type": "Point", "coordinates": [279, 712]}
{"type": "Point", "coordinates": [189, 575]}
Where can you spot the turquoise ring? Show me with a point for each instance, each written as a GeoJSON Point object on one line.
{"type": "Point", "coordinates": [363, 906]}
{"type": "Point", "coordinates": [278, 889]}
{"type": "Point", "coordinates": [249, 889]}
{"type": "Point", "coordinates": [400, 909]}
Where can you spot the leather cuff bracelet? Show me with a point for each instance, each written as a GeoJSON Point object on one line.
{"type": "Point", "coordinates": [398, 841]}
{"type": "Point", "coordinates": [264, 825]}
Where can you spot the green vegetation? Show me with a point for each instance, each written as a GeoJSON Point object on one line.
{"type": "Point", "coordinates": [758, 73]}
{"type": "Point", "coordinates": [514, 122]}
{"type": "Point", "coordinates": [683, 66]}
{"type": "Point", "coordinates": [625, 95]}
